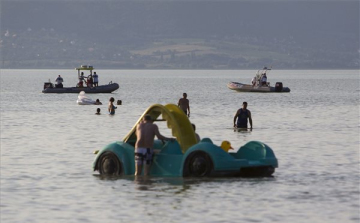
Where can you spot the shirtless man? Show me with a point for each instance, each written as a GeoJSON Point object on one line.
{"type": "Point", "coordinates": [184, 104]}
{"type": "Point", "coordinates": [145, 132]}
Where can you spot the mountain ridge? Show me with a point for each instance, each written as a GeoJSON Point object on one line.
{"type": "Point", "coordinates": [180, 35]}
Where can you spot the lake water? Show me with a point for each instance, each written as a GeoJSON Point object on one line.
{"type": "Point", "coordinates": [47, 142]}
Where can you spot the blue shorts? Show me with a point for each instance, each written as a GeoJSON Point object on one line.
{"type": "Point", "coordinates": [143, 156]}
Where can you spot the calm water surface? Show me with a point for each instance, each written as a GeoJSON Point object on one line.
{"type": "Point", "coordinates": [47, 142]}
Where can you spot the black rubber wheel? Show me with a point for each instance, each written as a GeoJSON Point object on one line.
{"type": "Point", "coordinates": [109, 164]}
{"type": "Point", "coordinates": [198, 164]}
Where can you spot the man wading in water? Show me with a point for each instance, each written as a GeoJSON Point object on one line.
{"type": "Point", "coordinates": [184, 104]}
{"type": "Point", "coordinates": [242, 115]}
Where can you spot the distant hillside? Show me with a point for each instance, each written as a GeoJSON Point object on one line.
{"type": "Point", "coordinates": [180, 35]}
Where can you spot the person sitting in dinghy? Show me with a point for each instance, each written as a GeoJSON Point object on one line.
{"type": "Point", "coordinates": [59, 81]}
{"type": "Point", "coordinates": [264, 80]}
{"type": "Point", "coordinates": [253, 81]}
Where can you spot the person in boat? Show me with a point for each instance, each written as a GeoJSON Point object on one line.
{"type": "Point", "coordinates": [89, 81]}
{"type": "Point", "coordinates": [96, 79]}
{"type": "Point", "coordinates": [184, 104]}
{"type": "Point", "coordinates": [59, 81]}
{"type": "Point", "coordinates": [82, 77]}
{"type": "Point", "coordinates": [264, 80]}
{"type": "Point", "coordinates": [196, 135]}
{"type": "Point", "coordinates": [241, 117]}
{"type": "Point", "coordinates": [253, 81]}
{"type": "Point", "coordinates": [80, 84]}
{"type": "Point", "coordinates": [97, 102]}
{"type": "Point", "coordinates": [111, 107]}
{"type": "Point", "coordinates": [98, 111]}
{"type": "Point", "coordinates": [145, 133]}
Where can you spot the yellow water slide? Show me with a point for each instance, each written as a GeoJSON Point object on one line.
{"type": "Point", "coordinates": [176, 120]}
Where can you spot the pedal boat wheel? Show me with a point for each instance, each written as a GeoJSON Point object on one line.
{"type": "Point", "coordinates": [198, 164]}
{"type": "Point", "coordinates": [109, 164]}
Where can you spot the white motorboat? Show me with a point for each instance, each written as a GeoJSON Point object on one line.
{"type": "Point", "coordinates": [258, 85]}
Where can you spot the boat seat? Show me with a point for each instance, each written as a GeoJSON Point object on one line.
{"type": "Point", "coordinates": [206, 140]}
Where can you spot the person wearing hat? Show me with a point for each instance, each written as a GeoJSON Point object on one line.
{"type": "Point", "coordinates": [241, 117]}
{"type": "Point", "coordinates": [145, 133]}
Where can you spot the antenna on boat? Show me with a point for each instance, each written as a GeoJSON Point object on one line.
{"type": "Point", "coordinates": [268, 69]}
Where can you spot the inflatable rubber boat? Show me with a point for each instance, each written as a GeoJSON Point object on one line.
{"type": "Point", "coordinates": [250, 88]}
{"type": "Point", "coordinates": [259, 84]}
{"type": "Point", "coordinates": [87, 87]}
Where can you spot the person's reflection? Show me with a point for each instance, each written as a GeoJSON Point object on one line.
{"type": "Point", "coordinates": [242, 129]}
{"type": "Point", "coordinates": [145, 183]}
{"type": "Point", "coordinates": [142, 182]}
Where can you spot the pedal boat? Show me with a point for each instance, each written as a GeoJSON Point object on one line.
{"type": "Point", "coordinates": [184, 157]}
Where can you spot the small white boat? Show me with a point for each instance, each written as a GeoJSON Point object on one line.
{"type": "Point", "coordinates": [84, 100]}
{"type": "Point", "coordinates": [258, 85]}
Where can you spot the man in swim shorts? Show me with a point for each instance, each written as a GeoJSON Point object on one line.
{"type": "Point", "coordinates": [145, 133]}
{"type": "Point", "coordinates": [184, 104]}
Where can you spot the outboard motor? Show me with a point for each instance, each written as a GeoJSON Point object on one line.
{"type": "Point", "coordinates": [278, 87]}
{"type": "Point", "coordinates": [48, 85]}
